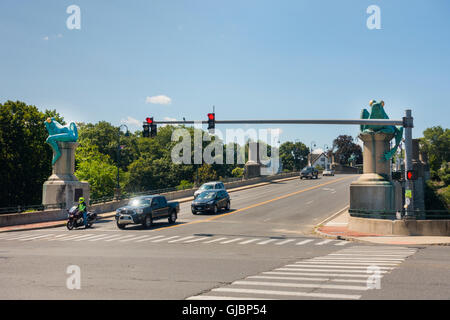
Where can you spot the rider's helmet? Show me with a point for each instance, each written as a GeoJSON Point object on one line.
{"type": "Point", "coordinates": [81, 200]}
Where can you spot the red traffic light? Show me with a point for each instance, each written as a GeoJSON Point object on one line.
{"type": "Point", "coordinates": [211, 116]}
{"type": "Point", "coordinates": [149, 120]}
{"type": "Point", "coordinates": [411, 175]}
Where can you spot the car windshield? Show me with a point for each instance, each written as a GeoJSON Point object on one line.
{"type": "Point", "coordinates": [138, 202]}
{"type": "Point", "coordinates": [206, 187]}
{"type": "Point", "coordinates": [207, 195]}
{"type": "Point", "coordinates": [305, 169]}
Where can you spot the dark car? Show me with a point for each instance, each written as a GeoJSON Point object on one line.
{"type": "Point", "coordinates": [309, 172]}
{"type": "Point", "coordinates": [146, 209]}
{"type": "Point", "coordinates": [211, 201]}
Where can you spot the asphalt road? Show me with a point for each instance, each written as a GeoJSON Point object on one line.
{"type": "Point", "coordinates": [262, 248]}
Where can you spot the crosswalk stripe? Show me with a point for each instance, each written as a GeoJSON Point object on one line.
{"type": "Point", "coordinates": [165, 239]}
{"type": "Point", "coordinates": [195, 240]}
{"type": "Point", "coordinates": [324, 270]}
{"type": "Point", "coordinates": [333, 266]}
{"type": "Point", "coordinates": [249, 241]}
{"type": "Point", "coordinates": [232, 240]}
{"type": "Point", "coordinates": [303, 242]}
{"type": "Point", "coordinates": [37, 237]}
{"type": "Point", "coordinates": [104, 237]}
{"type": "Point", "coordinates": [73, 237]}
{"type": "Point", "coordinates": [119, 238]}
{"type": "Point", "coordinates": [308, 279]}
{"type": "Point", "coordinates": [57, 237]}
{"type": "Point", "coordinates": [224, 298]}
{"type": "Point", "coordinates": [369, 259]}
{"type": "Point", "coordinates": [317, 274]}
{"type": "Point", "coordinates": [133, 239]}
{"type": "Point", "coordinates": [323, 242]}
{"type": "Point", "coordinates": [20, 237]}
{"type": "Point", "coordinates": [289, 293]}
{"type": "Point", "coordinates": [93, 236]}
{"type": "Point", "coordinates": [342, 243]}
{"type": "Point", "coordinates": [215, 240]}
{"type": "Point", "coordinates": [284, 242]}
{"type": "Point", "coordinates": [148, 238]}
{"type": "Point", "coordinates": [267, 241]}
{"type": "Point", "coordinates": [185, 238]}
{"type": "Point", "coordinates": [346, 263]}
{"type": "Point", "coordinates": [300, 285]}
{"type": "Point", "coordinates": [363, 255]}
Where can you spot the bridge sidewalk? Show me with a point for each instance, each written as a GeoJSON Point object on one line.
{"type": "Point", "coordinates": [336, 227]}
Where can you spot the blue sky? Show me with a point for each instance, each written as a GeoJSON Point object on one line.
{"type": "Point", "coordinates": [251, 59]}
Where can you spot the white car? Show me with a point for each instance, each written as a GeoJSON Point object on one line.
{"type": "Point", "coordinates": [215, 185]}
{"type": "Point", "coordinates": [328, 172]}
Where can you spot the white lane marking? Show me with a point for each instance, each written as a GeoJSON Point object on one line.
{"type": "Point", "coordinates": [341, 243]}
{"type": "Point", "coordinates": [74, 237]}
{"type": "Point", "coordinates": [165, 239]}
{"type": "Point", "coordinates": [333, 266]}
{"type": "Point", "coordinates": [249, 241]}
{"type": "Point", "coordinates": [197, 239]}
{"type": "Point", "coordinates": [300, 285]}
{"type": "Point", "coordinates": [91, 237]}
{"type": "Point", "coordinates": [215, 240]}
{"type": "Point", "coordinates": [132, 239]}
{"type": "Point", "coordinates": [323, 242]}
{"type": "Point", "coordinates": [57, 237]}
{"type": "Point", "coordinates": [289, 293]}
{"type": "Point", "coordinates": [267, 241]}
{"type": "Point", "coordinates": [103, 238]}
{"type": "Point", "coordinates": [347, 263]}
{"type": "Point", "coordinates": [185, 238]}
{"type": "Point", "coordinates": [363, 255]}
{"type": "Point", "coordinates": [284, 242]}
{"type": "Point", "coordinates": [303, 242]}
{"type": "Point", "coordinates": [365, 259]}
{"type": "Point", "coordinates": [309, 279]}
{"type": "Point", "coordinates": [380, 252]}
{"type": "Point", "coordinates": [317, 274]}
{"type": "Point", "coordinates": [224, 298]}
{"type": "Point", "coordinates": [324, 270]}
{"type": "Point", "coordinates": [22, 236]}
{"type": "Point", "coordinates": [232, 240]}
{"type": "Point", "coordinates": [37, 237]}
{"type": "Point", "coordinates": [119, 238]}
{"type": "Point", "coordinates": [149, 238]}
{"type": "Point", "coordinates": [289, 278]}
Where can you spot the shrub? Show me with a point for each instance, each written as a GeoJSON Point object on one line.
{"type": "Point", "coordinates": [184, 184]}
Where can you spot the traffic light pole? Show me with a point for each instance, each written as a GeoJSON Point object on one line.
{"type": "Point", "coordinates": [409, 183]}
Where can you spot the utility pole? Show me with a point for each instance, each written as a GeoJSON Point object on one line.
{"type": "Point", "coordinates": [409, 184]}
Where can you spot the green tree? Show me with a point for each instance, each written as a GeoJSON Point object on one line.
{"type": "Point", "coordinates": [25, 158]}
{"type": "Point", "coordinates": [345, 147]}
{"type": "Point", "coordinates": [97, 169]}
{"type": "Point", "coordinates": [238, 172]}
{"type": "Point", "coordinates": [294, 156]}
{"type": "Point", "coordinates": [436, 143]}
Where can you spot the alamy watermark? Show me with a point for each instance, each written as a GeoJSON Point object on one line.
{"type": "Point", "coordinates": [213, 153]}
{"type": "Point", "coordinates": [74, 280]}
{"type": "Point", "coordinates": [74, 20]}
{"type": "Point", "coordinates": [374, 280]}
{"type": "Point", "coordinates": [374, 20]}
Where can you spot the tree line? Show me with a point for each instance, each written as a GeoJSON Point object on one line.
{"type": "Point", "coordinates": [144, 164]}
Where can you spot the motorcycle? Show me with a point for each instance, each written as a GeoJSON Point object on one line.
{"type": "Point", "coordinates": [76, 220]}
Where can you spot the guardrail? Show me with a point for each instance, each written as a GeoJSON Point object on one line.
{"type": "Point", "coordinates": [32, 208]}
{"type": "Point", "coordinates": [396, 215]}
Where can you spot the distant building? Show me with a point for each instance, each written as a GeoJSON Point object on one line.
{"type": "Point", "coordinates": [321, 159]}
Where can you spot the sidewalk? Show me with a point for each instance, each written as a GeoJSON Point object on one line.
{"type": "Point", "coordinates": [336, 227]}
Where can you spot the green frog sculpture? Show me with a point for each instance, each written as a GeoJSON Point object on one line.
{"type": "Point", "coordinates": [57, 132]}
{"type": "Point", "coordinates": [378, 112]}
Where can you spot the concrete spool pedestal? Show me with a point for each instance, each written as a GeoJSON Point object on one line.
{"type": "Point", "coordinates": [374, 191]}
{"type": "Point", "coordinates": [63, 186]}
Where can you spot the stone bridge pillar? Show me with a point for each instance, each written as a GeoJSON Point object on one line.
{"type": "Point", "coordinates": [374, 191]}
{"type": "Point", "coordinates": [63, 186]}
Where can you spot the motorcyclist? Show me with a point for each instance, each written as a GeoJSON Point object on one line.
{"type": "Point", "coordinates": [82, 208]}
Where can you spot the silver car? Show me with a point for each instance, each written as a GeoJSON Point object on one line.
{"type": "Point", "coordinates": [215, 185]}
{"type": "Point", "coordinates": [328, 172]}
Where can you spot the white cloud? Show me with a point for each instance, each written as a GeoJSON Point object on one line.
{"type": "Point", "coordinates": [45, 38]}
{"type": "Point", "coordinates": [161, 99]}
{"type": "Point", "coordinates": [131, 121]}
